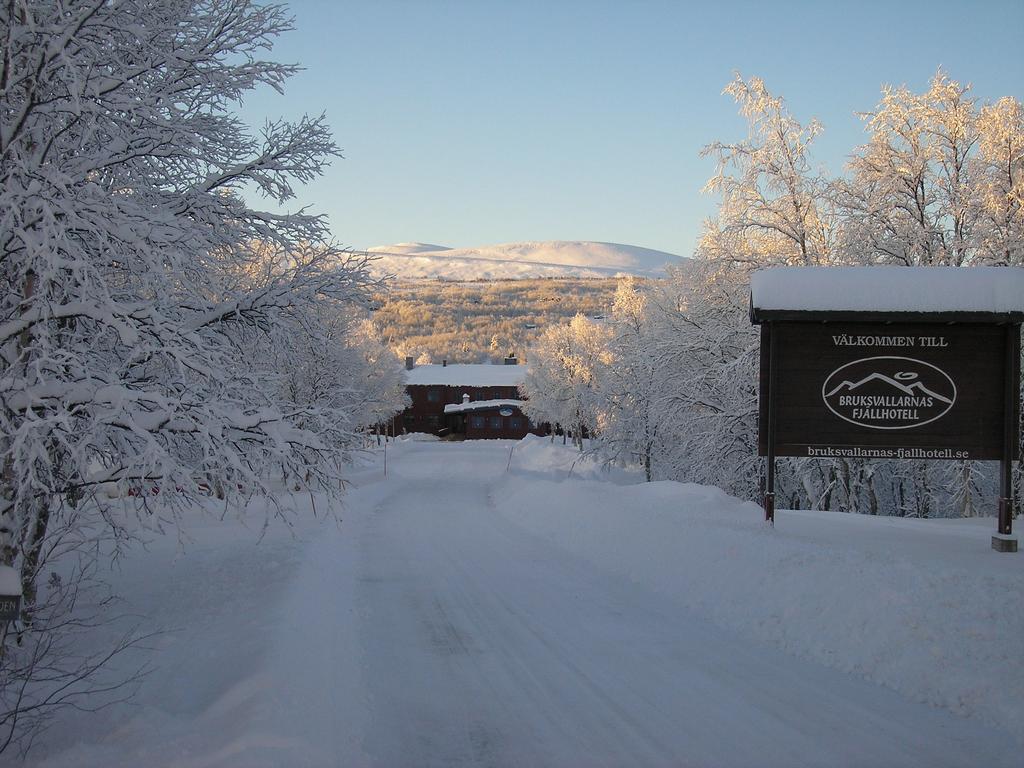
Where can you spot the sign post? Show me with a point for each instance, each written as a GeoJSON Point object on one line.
{"type": "Point", "coordinates": [1011, 423]}
{"type": "Point", "coordinates": [872, 374]}
{"type": "Point", "coordinates": [10, 594]}
{"type": "Point", "coordinates": [769, 420]}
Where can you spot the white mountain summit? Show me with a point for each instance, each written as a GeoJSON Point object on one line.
{"type": "Point", "coordinates": [553, 258]}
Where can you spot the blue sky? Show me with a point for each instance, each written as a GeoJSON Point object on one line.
{"type": "Point", "coordinates": [469, 123]}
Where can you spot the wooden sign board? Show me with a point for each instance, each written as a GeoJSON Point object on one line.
{"type": "Point", "coordinates": [10, 607]}
{"type": "Point", "coordinates": [888, 390]}
{"type": "Point", "coordinates": [894, 363]}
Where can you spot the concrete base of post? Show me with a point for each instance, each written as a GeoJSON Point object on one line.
{"type": "Point", "coordinates": [1002, 543]}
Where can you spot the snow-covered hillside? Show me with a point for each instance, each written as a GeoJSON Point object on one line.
{"type": "Point", "coordinates": [407, 249]}
{"type": "Point", "coordinates": [557, 258]}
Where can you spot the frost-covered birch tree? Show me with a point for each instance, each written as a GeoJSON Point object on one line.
{"type": "Point", "coordinates": [775, 206]}
{"type": "Point", "coordinates": [707, 398]}
{"type": "Point", "coordinates": [561, 386]}
{"type": "Point", "coordinates": [630, 416]}
{"type": "Point", "coordinates": [939, 180]}
{"type": "Point", "coordinates": [999, 179]}
{"type": "Point", "coordinates": [330, 364]}
{"type": "Point", "coordinates": [380, 392]}
{"type": "Point", "coordinates": [129, 259]}
{"type": "Point", "coordinates": [908, 199]}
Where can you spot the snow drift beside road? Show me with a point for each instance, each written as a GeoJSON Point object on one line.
{"type": "Point", "coordinates": [922, 606]}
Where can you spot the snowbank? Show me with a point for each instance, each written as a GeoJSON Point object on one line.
{"type": "Point", "coordinates": [547, 458]}
{"type": "Point", "coordinates": [921, 606]}
{"type": "Point", "coordinates": [418, 437]}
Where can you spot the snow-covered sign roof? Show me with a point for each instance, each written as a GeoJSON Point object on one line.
{"type": "Point", "coordinates": [994, 293]}
{"type": "Point", "coordinates": [467, 375]}
{"type": "Point", "coordinates": [482, 405]}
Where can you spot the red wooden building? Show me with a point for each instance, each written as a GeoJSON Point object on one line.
{"type": "Point", "coordinates": [478, 401]}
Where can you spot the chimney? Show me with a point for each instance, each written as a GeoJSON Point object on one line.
{"type": "Point", "coordinates": [409, 363]}
{"type": "Point", "coordinates": [512, 359]}
{"type": "Point", "coordinates": [465, 398]}
{"type": "Point", "coordinates": [444, 363]}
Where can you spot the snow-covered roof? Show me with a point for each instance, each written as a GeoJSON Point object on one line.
{"type": "Point", "coordinates": [889, 290]}
{"type": "Point", "coordinates": [467, 375]}
{"type": "Point", "coordinates": [481, 405]}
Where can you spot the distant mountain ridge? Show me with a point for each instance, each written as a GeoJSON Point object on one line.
{"type": "Point", "coordinates": [520, 260]}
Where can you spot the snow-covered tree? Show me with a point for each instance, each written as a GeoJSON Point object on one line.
{"type": "Point", "coordinates": [135, 273]}
{"type": "Point", "coordinates": [999, 180]}
{"type": "Point", "coordinates": [775, 207]}
{"type": "Point", "coordinates": [910, 199]}
{"type": "Point", "coordinates": [561, 384]}
{"type": "Point", "coordinates": [708, 396]}
{"type": "Point", "coordinates": [380, 389]}
{"type": "Point", "coordinates": [630, 412]}
{"type": "Point", "coordinates": [331, 363]}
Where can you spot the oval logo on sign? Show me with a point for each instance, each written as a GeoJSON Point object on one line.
{"type": "Point", "coordinates": [889, 392]}
{"type": "Point", "coordinates": [506, 411]}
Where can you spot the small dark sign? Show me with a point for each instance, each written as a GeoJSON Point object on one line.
{"type": "Point", "coordinates": [10, 607]}
{"type": "Point", "coordinates": [886, 391]}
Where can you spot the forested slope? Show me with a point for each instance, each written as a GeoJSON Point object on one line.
{"type": "Point", "coordinates": [475, 321]}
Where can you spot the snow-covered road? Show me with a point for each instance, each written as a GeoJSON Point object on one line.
{"type": "Point", "coordinates": [481, 644]}
{"type": "Point", "coordinates": [431, 630]}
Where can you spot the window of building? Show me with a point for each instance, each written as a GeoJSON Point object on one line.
{"type": "Point", "coordinates": [495, 422]}
{"type": "Point", "coordinates": [515, 423]}
{"type": "Point", "coordinates": [478, 422]}
{"type": "Point", "coordinates": [433, 396]}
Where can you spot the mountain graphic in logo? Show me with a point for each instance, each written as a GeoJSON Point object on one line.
{"type": "Point", "coordinates": [889, 392]}
{"type": "Point", "coordinates": [917, 388]}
